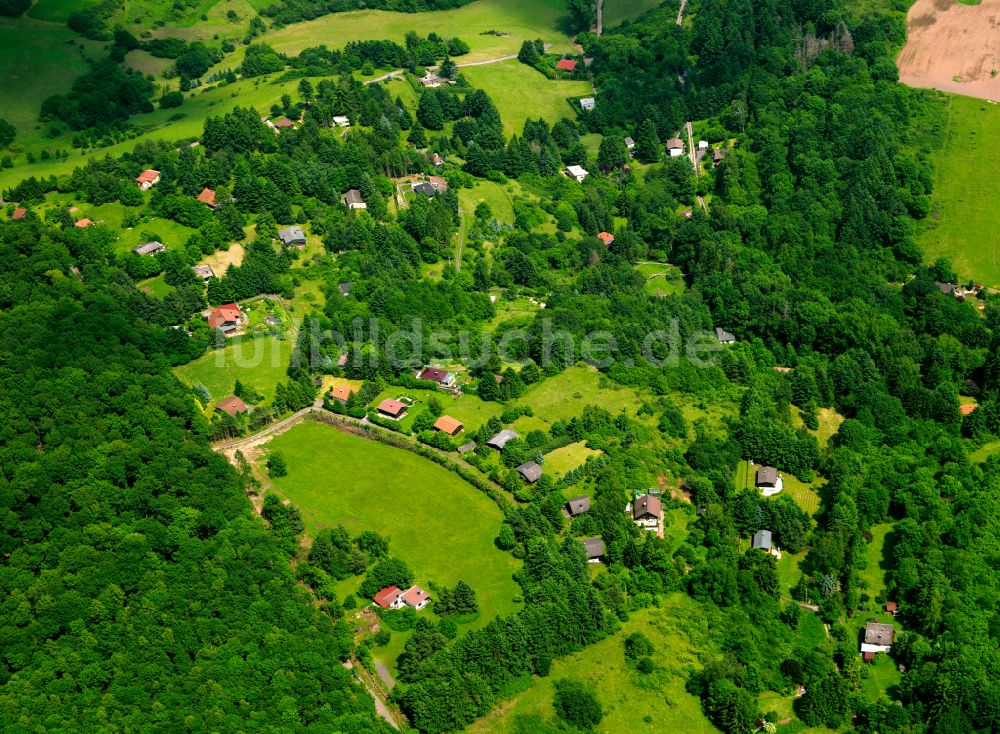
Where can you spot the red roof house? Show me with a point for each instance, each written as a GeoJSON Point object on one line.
{"type": "Point", "coordinates": [342, 393]}
{"type": "Point", "coordinates": [390, 408]}
{"type": "Point", "coordinates": [19, 213]}
{"type": "Point", "coordinates": [566, 64]}
{"type": "Point", "coordinates": [441, 377]}
{"type": "Point", "coordinates": [207, 197]}
{"type": "Point", "coordinates": [225, 317]}
{"type": "Point", "coordinates": [389, 598]}
{"type": "Point", "coordinates": [415, 597]}
{"type": "Point", "coordinates": [233, 405]}
{"type": "Point", "coordinates": [147, 178]}
{"type": "Point", "coordinates": [83, 223]}
{"type": "Point", "coordinates": [967, 408]}
{"type": "Point", "coordinates": [606, 237]}
{"type": "Point", "coordinates": [449, 425]}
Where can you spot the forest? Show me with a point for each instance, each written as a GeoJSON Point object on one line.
{"type": "Point", "coordinates": [141, 589]}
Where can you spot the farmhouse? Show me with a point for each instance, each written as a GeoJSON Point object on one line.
{"type": "Point", "coordinates": [204, 271]}
{"type": "Point", "coordinates": [500, 440]}
{"type": "Point", "coordinates": [578, 506]}
{"type": "Point", "coordinates": [566, 64]}
{"type": "Point", "coordinates": [724, 336]}
{"type": "Point", "coordinates": [606, 237]}
{"type": "Point", "coordinates": [878, 638]}
{"type": "Point", "coordinates": [147, 178]}
{"type": "Point", "coordinates": [441, 377]}
{"type": "Point", "coordinates": [646, 512]}
{"type": "Point", "coordinates": [594, 548]}
{"type": "Point", "coordinates": [353, 200]}
{"type": "Point", "coordinates": [207, 197]}
{"type": "Point", "coordinates": [82, 223]}
{"type": "Point", "coordinates": [577, 172]}
{"type": "Point", "coordinates": [342, 393]}
{"type": "Point", "coordinates": [232, 406]}
{"type": "Point", "coordinates": [449, 425]}
{"type": "Point", "coordinates": [393, 409]}
{"type": "Point", "coordinates": [225, 317]}
{"type": "Point", "coordinates": [675, 147]}
{"type": "Point", "coordinates": [18, 213]}
{"type": "Point", "coordinates": [415, 597]}
{"type": "Point", "coordinates": [587, 103]}
{"type": "Point", "coordinates": [762, 540]}
{"type": "Point", "coordinates": [390, 597]}
{"type": "Point", "coordinates": [149, 248]}
{"type": "Point", "coordinates": [292, 236]}
{"type": "Point", "coordinates": [530, 471]}
{"type": "Point", "coordinates": [768, 481]}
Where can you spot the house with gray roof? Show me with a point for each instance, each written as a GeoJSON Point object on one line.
{"type": "Point", "coordinates": [594, 548]}
{"type": "Point", "coordinates": [724, 336]}
{"type": "Point", "coordinates": [578, 506]}
{"type": "Point", "coordinates": [531, 471]}
{"type": "Point", "coordinates": [500, 440]}
{"type": "Point", "coordinates": [149, 248]}
{"type": "Point", "coordinates": [762, 540]}
{"type": "Point", "coordinates": [292, 236]}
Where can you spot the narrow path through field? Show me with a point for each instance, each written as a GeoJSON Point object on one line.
{"type": "Point", "coordinates": [384, 674]}
{"type": "Point", "coordinates": [381, 706]}
{"type": "Point", "coordinates": [461, 239]}
{"type": "Point", "coordinates": [600, 17]}
{"type": "Point", "coordinates": [693, 155]}
{"type": "Point", "coordinates": [680, 12]}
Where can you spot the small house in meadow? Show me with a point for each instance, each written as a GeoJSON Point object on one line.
{"type": "Point", "coordinates": [393, 409]}
{"type": "Point", "coordinates": [646, 511]}
{"type": "Point", "coordinates": [578, 506]}
{"type": "Point", "coordinates": [415, 597]}
{"type": "Point", "coordinates": [292, 236]}
{"type": "Point", "coordinates": [449, 425]}
{"type": "Point", "coordinates": [500, 440]}
{"type": "Point", "coordinates": [594, 548]}
{"type": "Point", "coordinates": [232, 406]}
{"type": "Point", "coordinates": [566, 64]}
{"type": "Point", "coordinates": [391, 597]}
{"type": "Point", "coordinates": [768, 480]}
{"type": "Point", "coordinates": [147, 178]}
{"type": "Point", "coordinates": [149, 248]}
{"type": "Point", "coordinates": [530, 471]}
{"type": "Point", "coordinates": [878, 638]}
{"type": "Point", "coordinates": [433, 374]}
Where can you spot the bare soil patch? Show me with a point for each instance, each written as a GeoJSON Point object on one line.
{"type": "Point", "coordinates": [221, 260]}
{"type": "Point", "coordinates": [953, 47]}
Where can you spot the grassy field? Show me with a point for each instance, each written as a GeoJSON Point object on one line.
{"type": "Point", "coordinates": [155, 286]}
{"type": "Point", "coordinates": [517, 20]}
{"type": "Point", "coordinates": [878, 564]}
{"type": "Point", "coordinates": [441, 526]}
{"type": "Point", "coordinates": [984, 452]}
{"type": "Point", "coordinates": [662, 279]}
{"type": "Point", "coordinates": [520, 92]}
{"type": "Point", "coordinates": [617, 11]}
{"type": "Point", "coordinates": [565, 395]}
{"type": "Point", "coordinates": [679, 629]}
{"type": "Point", "coordinates": [567, 458]}
{"type": "Point", "coordinates": [37, 59]}
{"type": "Point", "coordinates": [500, 200]}
{"type": "Point", "coordinates": [258, 362]}
{"type": "Point", "coordinates": [963, 226]}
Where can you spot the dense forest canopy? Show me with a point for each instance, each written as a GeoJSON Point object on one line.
{"type": "Point", "coordinates": [139, 587]}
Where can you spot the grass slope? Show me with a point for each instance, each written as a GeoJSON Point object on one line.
{"type": "Point", "coordinates": [679, 629]}
{"type": "Point", "coordinates": [520, 92]}
{"type": "Point", "coordinates": [565, 395]}
{"type": "Point", "coordinates": [567, 458]}
{"type": "Point", "coordinates": [258, 362]}
{"type": "Point", "coordinates": [618, 11]}
{"type": "Point", "coordinates": [441, 526]}
{"type": "Point", "coordinates": [964, 225]}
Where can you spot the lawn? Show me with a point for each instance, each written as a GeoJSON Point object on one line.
{"type": "Point", "coordinates": [878, 563]}
{"type": "Point", "coordinates": [963, 226]}
{"type": "Point", "coordinates": [499, 199]}
{"type": "Point", "coordinates": [517, 20]}
{"type": "Point", "coordinates": [662, 279]}
{"type": "Point", "coordinates": [520, 307]}
{"type": "Point", "coordinates": [520, 92]}
{"type": "Point", "coordinates": [565, 395]}
{"type": "Point", "coordinates": [155, 286]}
{"type": "Point", "coordinates": [679, 630]}
{"type": "Point", "coordinates": [259, 362]}
{"type": "Point", "coordinates": [167, 231]}
{"type": "Point", "coordinates": [805, 495]}
{"type": "Point", "coordinates": [984, 452]}
{"type": "Point", "coordinates": [468, 408]}
{"type": "Point", "coordinates": [441, 526]}
{"type": "Point", "coordinates": [617, 11]}
{"type": "Point", "coordinates": [567, 458]}
{"type": "Point", "coordinates": [883, 675]}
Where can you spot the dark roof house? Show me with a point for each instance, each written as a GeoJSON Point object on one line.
{"type": "Point", "coordinates": [594, 548]}
{"type": "Point", "coordinates": [354, 200]}
{"type": "Point", "coordinates": [762, 540]}
{"type": "Point", "coordinates": [877, 633]}
{"type": "Point", "coordinates": [425, 189]}
{"type": "Point", "coordinates": [647, 507]}
{"type": "Point", "coordinates": [149, 248]}
{"type": "Point", "coordinates": [578, 506]}
{"type": "Point", "coordinates": [767, 476]}
{"type": "Point", "coordinates": [724, 336]}
{"type": "Point", "coordinates": [531, 471]}
{"type": "Point", "coordinates": [433, 374]}
{"type": "Point", "coordinates": [292, 236]}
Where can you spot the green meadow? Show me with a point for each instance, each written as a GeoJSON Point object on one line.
{"type": "Point", "coordinates": [440, 525]}
{"type": "Point", "coordinates": [565, 396]}
{"type": "Point", "coordinates": [661, 279]}
{"type": "Point", "coordinates": [521, 92]}
{"type": "Point", "coordinates": [260, 362]}
{"type": "Point", "coordinates": [567, 458]}
{"type": "Point", "coordinates": [618, 11]}
{"type": "Point", "coordinates": [878, 561]}
{"type": "Point", "coordinates": [964, 224]}
{"type": "Point", "coordinates": [634, 703]}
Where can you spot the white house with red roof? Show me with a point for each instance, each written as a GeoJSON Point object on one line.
{"type": "Point", "coordinates": [415, 597]}
{"type": "Point", "coordinates": [147, 178]}
{"type": "Point", "coordinates": [391, 597]}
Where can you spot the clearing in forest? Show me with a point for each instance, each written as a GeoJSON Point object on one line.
{"type": "Point", "coordinates": [441, 526]}
{"type": "Point", "coordinates": [953, 47]}
{"type": "Point", "coordinates": [261, 363]}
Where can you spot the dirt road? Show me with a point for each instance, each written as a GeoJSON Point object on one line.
{"type": "Point", "coordinates": [600, 17]}
{"type": "Point", "coordinates": [380, 705]}
{"type": "Point", "coordinates": [680, 13]}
